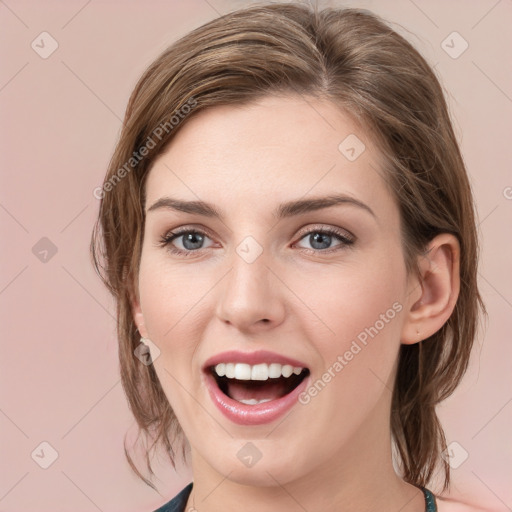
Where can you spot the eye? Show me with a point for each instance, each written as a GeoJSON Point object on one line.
{"type": "Point", "coordinates": [186, 242]}
{"type": "Point", "coordinates": [192, 241]}
{"type": "Point", "coordinates": [321, 239]}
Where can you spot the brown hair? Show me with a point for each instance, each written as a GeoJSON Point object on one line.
{"type": "Point", "coordinates": [352, 58]}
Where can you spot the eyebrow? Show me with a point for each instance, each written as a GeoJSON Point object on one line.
{"type": "Point", "coordinates": [288, 209]}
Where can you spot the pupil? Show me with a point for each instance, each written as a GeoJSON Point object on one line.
{"type": "Point", "coordinates": [192, 237]}
{"type": "Point", "coordinates": [315, 238]}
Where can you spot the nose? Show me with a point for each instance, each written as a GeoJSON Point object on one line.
{"type": "Point", "coordinates": [251, 296]}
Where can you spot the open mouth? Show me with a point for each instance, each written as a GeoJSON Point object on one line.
{"type": "Point", "coordinates": [259, 383]}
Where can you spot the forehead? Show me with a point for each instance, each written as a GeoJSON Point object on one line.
{"type": "Point", "coordinates": [275, 149]}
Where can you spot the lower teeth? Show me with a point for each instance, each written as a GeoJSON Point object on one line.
{"type": "Point", "coordinates": [253, 401]}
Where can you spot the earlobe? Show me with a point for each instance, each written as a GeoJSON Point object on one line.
{"type": "Point", "coordinates": [138, 316]}
{"type": "Point", "coordinates": [439, 282]}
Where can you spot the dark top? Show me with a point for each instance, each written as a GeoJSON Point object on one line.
{"type": "Point", "coordinates": [179, 502]}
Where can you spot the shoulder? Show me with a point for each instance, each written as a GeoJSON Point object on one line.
{"type": "Point", "coordinates": [451, 505]}
{"type": "Point", "coordinates": [179, 502]}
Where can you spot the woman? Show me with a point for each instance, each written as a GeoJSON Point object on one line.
{"type": "Point", "coordinates": [288, 230]}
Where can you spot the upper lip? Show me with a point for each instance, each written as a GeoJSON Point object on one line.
{"type": "Point", "coordinates": [252, 358]}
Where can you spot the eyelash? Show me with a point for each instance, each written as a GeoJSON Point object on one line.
{"type": "Point", "coordinates": [166, 240]}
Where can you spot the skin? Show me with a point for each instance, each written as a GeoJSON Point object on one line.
{"type": "Point", "coordinates": [333, 453]}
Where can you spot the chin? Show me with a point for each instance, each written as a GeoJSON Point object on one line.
{"type": "Point", "coordinates": [253, 464]}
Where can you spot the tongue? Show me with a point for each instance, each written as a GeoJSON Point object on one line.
{"type": "Point", "coordinates": [258, 390]}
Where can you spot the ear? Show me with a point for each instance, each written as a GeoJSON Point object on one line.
{"type": "Point", "coordinates": [434, 292]}
{"type": "Point", "coordinates": [138, 317]}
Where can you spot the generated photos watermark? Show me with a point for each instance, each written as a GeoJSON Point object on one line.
{"type": "Point", "coordinates": [356, 346]}
{"type": "Point", "coordinates": [162, 129]}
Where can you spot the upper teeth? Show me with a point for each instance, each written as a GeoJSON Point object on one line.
{"type": "Point", "coordinates": [263, 371]}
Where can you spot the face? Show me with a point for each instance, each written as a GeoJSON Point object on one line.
{"type": "Point", "coordinates": [261, 289]}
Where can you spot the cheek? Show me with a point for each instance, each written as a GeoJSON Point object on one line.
{"type": "Point", "coordinates": [168, 297]}
{"type": "Point", "coordinates": [357, 315]}
{"type": "Point", "coordinates": [169, 300]}
{"type": "Point", "coordinates": [351, 298]}
{"type": "Point", "coordinates": [363, 309]}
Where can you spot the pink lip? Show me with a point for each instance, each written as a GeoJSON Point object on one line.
{"type": "Point", "coordinates": [260, 356]}
{"type": "Point", "coordinates": [259, 414]}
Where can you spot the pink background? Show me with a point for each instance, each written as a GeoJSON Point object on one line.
{"type": "Point", "coordinates": [61, 117]}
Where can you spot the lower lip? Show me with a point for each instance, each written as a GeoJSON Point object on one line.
{"type": "Point", "coordinates": [259, 414]}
